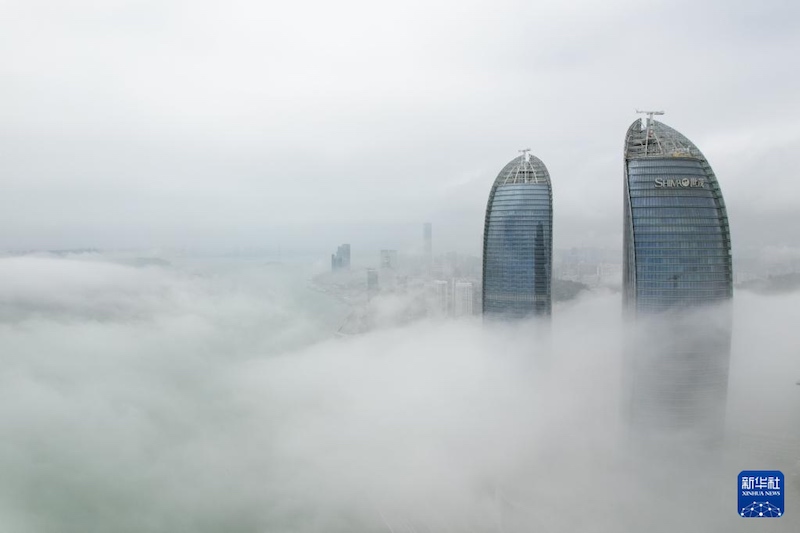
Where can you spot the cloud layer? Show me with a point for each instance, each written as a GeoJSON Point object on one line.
{"type": "Point", "coordinates": [206, 398]}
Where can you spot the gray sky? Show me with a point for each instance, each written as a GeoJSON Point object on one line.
{"type": "Point", "coordinates": [302, 125]}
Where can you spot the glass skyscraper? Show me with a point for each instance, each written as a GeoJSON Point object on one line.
{"type": "Point", "coordinates": [518, 241]}
{"type": "Point", "coordinates": [677, 283]}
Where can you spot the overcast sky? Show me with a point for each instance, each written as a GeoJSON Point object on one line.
{"type": "Point", "coordinates": [217, 125]}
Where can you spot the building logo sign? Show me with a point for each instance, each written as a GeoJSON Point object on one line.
{"type": "Point", "coordinates": [685, 183]}
{"type": "Point", "coordinates": [761, 494]}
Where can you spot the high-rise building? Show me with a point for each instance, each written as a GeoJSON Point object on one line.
{"type": "Point", "coordinates": [440, 298]}
{"type": "Point", "coordinates": [373, 288]}
{"type": "Point", "coordinates": [677, 282]}
{"type": "Point", "coordinates": [341, 259]}
{"type": "Point", "coordinates": [389, 259]}
{"type": "Point", "coordinates": [462, 298]}
{"type": "Point", "coordinates": [427, 235]}
{"type": "Point", "coordinates": [518, 242]}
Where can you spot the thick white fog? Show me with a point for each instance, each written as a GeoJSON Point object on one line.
{"type": "Point", "coordinates": [213, 396]}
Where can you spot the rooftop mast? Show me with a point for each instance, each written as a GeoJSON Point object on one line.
{"type": "Point", "coordinates": [649, 116]}
{"type": "Point", "coordinates": [649, 127]}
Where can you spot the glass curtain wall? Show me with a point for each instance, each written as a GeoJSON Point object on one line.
{"type": "Point", "coordinates": [517, 242]}
{"type": "Point", "coordinates": [677, 281]}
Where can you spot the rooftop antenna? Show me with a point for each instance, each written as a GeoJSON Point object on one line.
{"type": "Point", "coordinates": [649, 116]}
{"type": "Point", "coordinates": [525, 152]}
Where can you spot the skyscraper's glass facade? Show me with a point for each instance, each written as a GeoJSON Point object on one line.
{"type": "Point", "coordinates": [518, 241]}
{"type": "Point", "coordinates": [677, 279]}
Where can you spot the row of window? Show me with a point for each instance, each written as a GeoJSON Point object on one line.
{"type": "Point", "coordinates": [675, 272]}
{"type": "Point", "coordinates": [689, 258]}
{"type": "Point", "coordinates": [671, 193]}
{"type": "Point", "coordinates": [506, 198]}
{"type": "Point", "coordinates": [674, 201]}
{"type": "Point", "coordinates": [512, 296]}
{"type": "Point", "coordinates": [679, 279]}
{"type": "Point", "coordinates": [517, 231]}
{"type": "Point", "coordinates": [523, 294]}
{"type": "Point", "coordinates": [641, 212]}
{"type": "Point", "coordinates": [512, 232]}
{"type": "Point", "coordinates": [685, 259]}
{"type": "Point", "coordinates": [681, 247]}
{"type": "Point", "coordinates": [684, 294]}
{"type": "Point", "coordinates": [525, 215]}
{"type": "Point", "coordinates": [506, 253]}
{"type": "Point", "coordinates": [526, 218]}
{"type": "Point", "coordinates": [677, 234]}
{"type": "Point", "coordinates": [640, 222]}
{"type": "Point", "coordinates": [677, 229]}
{"type": "Point", "coordinates": [522, 186]}
{"type": "Point", "coordinates": [543, 207]}
{"type": "Point", "coordinates": [525, 291]}
{"type": "Point", "coordinates": [537, 203]}
{"type": "Point", "coordinates": [513, 263]}
{"type": "Point", "coordinates": [520, 212]}
{"type": "Point", "coordinates": [516, 234]}
{"type": "Point", "coordinates": [644, 283]}
{"type": "Point", "coordinates": [512, 266]}
{"type": "Point", "coordinates": [523, 227]}
{"type": "Point", "coordinates": [644, 257]}
{"type": "Point", "coordinates": [523, 192]}
{"type": "Point", "coordinates": [717, 276]}
{"type": "Point", "coordinates": [538, 200]}
{"type": "Point", "coordinates": [540, 203]}
{"type": "Point", "coordinates": [646, 261]}
{"type": "Point", "coordinates": [525, 264]}
{"type": "Point", "coordinates": [513, 236]}
{"type": "Point", "coordinates": [654, 250]}
{"type": "Point", "coordinates": [650, 189]}
{"type": "Point", "coordinates": [515, 285]}
{"type": "Point", "coordinates": [668, 162]}
{"type": "Point", "coordinates": [720, 254]}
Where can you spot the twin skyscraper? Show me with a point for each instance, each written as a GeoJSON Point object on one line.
{"type": "Point", "coordinates": [677, 271]}
{"type": "Point", "coordinates": [518, 241]}
{"type": "Point", "coordinates": [676, 249]}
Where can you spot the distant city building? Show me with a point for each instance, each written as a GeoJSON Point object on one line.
{"type": "Point", "coordinates": [518, 242]}
{"type": "Point", "coordinates": [451, 266]}
{"type": "Point", "coordinates": [676, 264]}
{"type": "Point", "coordinates": [341, 259]}
{"type": "Point", "coordinates": [463, 298]}
{"type": "Point", "coordinates": [389, 259]}
{"type": "Point", "coordinates": [372, 283]}
{"type": "Point", "coordinates": [441, 301]}
{"type": "Point", "coordinates": [427, 235]}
